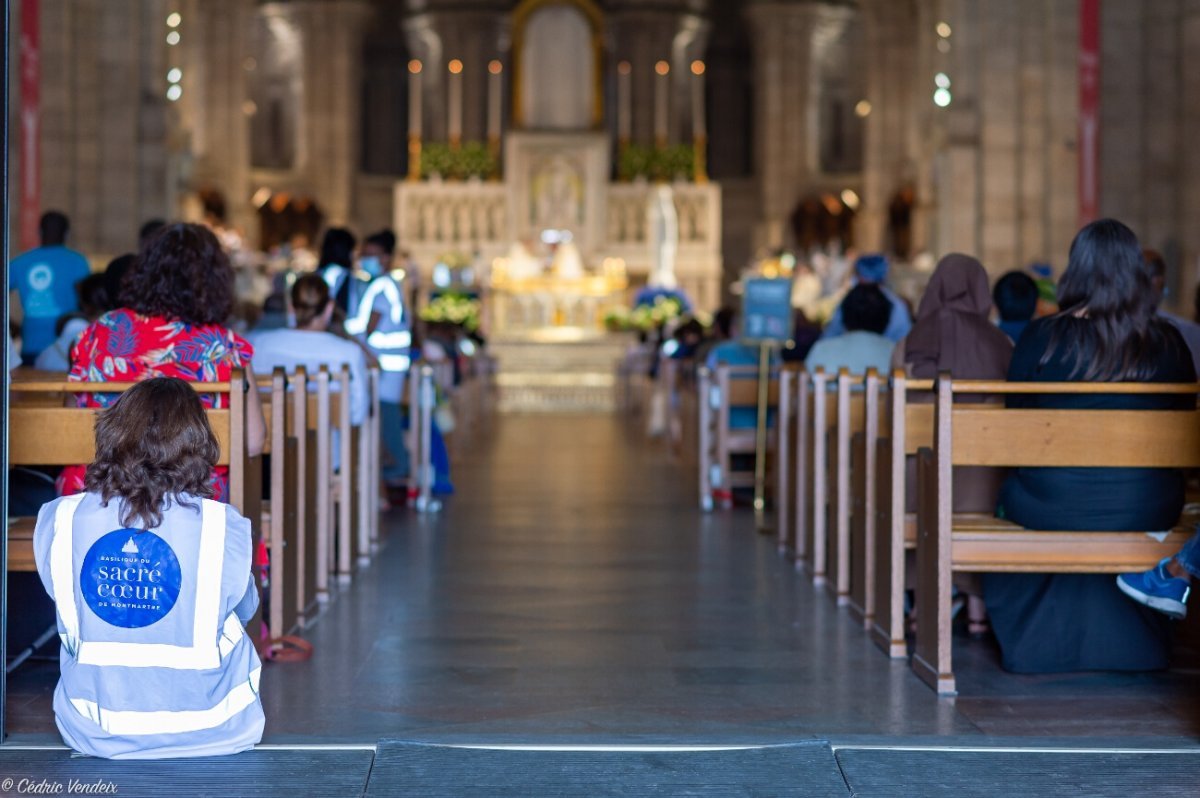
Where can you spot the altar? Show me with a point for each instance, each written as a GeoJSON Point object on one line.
{"type": "Point", "coordinates": [553, 183]}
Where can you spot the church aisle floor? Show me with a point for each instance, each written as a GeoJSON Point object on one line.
{"type": "Point", "coordinates": [572, 594]}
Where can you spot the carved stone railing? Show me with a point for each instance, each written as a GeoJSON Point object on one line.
{"type": "Point", "coordinates": [437, 217]}
{"type": "Point", "coordinates": [433, 218]}
{"type": "Point", "coordinates": [698, 207]}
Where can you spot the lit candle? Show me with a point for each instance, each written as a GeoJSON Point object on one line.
{"type": "Point", "coordinates": [495, 87]}
{"type": "Point", "coordinates": [698, 122]}
{"type": "Point", "coordinates": [414, 98]}
{"type": "Point", "coordinates": [662, 87]}
{"type": "Point", "coordinates": [624, 102]}
{"type": "Point", "coordinates": [454, 101]}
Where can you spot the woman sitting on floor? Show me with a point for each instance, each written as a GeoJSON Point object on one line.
{"type": "Point", "coordinates": [1106, 331]}
{"type": "Point", "coordinates": [151, 581]}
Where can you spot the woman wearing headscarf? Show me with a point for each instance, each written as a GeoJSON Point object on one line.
{"type": "Point", "coordinates": [953, 333]}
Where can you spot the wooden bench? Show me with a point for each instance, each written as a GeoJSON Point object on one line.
{"type": "Point", "coordinates": [284, 516]}
{"type": "Point", "coordinates": [719, 442]}
{"type": "Point", "coordinates": [975, 435]}
{"type": "Point", "coordinates": [904, 427]}
{"type": "Point", "coordinates": [421, 403]}
{"type": "Point", "coordinates": [44, 432]}
{"type": "Point", "coordinates": [848, 420]}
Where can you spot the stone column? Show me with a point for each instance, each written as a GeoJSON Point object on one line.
{"type": "Point", "coordinates": [785, 116]}
{"type": "Point", "coordinates": [216, 37]}
{"type": "Point", "coordinates": [891, 37]}
{"type": "Point", "coordinates": [1189, 173]}
{"type": "Point", "coordinates": [330, 115]}
{"type": "Point", "coordinates": [104, 118]}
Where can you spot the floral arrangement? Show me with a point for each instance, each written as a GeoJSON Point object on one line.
{"type": "Point", "coordinates": [454, 259]}
{"type": "Point", "coordinates": [471, 159]}
{"type": "Point", "coordinates": [654, 163]}
{"type": "Point", "coordinates": [456, 309]}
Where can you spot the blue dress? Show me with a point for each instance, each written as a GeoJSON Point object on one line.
{"type": "Point", "coordinates": [1051, 623]}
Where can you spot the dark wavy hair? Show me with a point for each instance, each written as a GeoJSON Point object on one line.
{"type": "Point", "coordinates": [181, 273]}
{"type": "Point", "coordinates": [152, 447]}
{"type": "Point", "coordinates": [1106, 327]}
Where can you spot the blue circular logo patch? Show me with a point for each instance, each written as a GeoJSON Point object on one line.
{"type": "Point", "coordinates": [130, 578]}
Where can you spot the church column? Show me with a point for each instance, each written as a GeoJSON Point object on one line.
{"type": "Point", "coordinates": [103, 119]}
{"type": "Point", "coordinates": [1189, 176]}
{"type": "Point", "coordinates": [891, 42]}
{"type": "Point", "coordinates": [215, 42]}
{"type": "Point", "coordinates": [785, 119]}
{"type": "Point", "coordinates": [330, 116]}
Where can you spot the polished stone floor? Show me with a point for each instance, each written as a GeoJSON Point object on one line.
{"type": "Point", "coordinates": [571, 592]}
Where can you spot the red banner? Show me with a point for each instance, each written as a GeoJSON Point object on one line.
{"type": "Point", "coordinates": [31, 161]}
{"type": "Point", "coordinates": [1089, 110]}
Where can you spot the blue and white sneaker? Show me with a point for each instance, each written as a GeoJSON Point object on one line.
{"type": "Point", "coordinates": [1158, 590]}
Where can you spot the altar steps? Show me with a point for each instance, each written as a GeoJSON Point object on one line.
{"type": "Point", "coordinates": [557, 372]}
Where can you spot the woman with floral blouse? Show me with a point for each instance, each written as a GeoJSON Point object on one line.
{"type": "Point", "coordinates": [174, 302]}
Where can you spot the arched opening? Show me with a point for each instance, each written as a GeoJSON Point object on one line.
{"type": "Point", "coordinates": [553, 87]}
{"type": "Point", "coordinates": [287, 219]}
{"type": "Point", "coordinates": [900, 222]}
{"type": "Point", "coordinates": [821, 220]}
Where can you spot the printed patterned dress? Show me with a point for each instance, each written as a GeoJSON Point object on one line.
{"type": "Point", "coordinates": [123, 346]}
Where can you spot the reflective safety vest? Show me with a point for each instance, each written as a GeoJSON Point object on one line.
{"type": "Point", "coordinates": [345, 286]}
{"type": "Point", "coordinates": [154, 661]}
{"type": "Point", "coordinates": [391, 340]}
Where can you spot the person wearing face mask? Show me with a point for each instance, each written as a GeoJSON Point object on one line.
{"type": "Point", "coordinates": [383, 324]}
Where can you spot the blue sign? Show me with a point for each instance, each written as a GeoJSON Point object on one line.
{"type": "Point", "coordinates": [130, 578]}
{"type": "Point", "coordinates": [767, 309]}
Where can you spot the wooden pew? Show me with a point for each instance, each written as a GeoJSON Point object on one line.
{"type": "Point", "coordinates": [975, 435]}
{"type": "Point", "coordinates": [864, 453]}
{"type": "Point", "coordinates": [790, 376]}
{"type": "Point", "coordinates": [422, 400]}
{"type": "Point", "coordinates": [282, 515]}
{"type": "Point", "coordinates": [372, 473]}
{"type": "Point", "coordinates": [43, 432]}
{"type": "Point", "coordinates": [812, 464]}
{"type": "Point", "coordinates": [905, 427]}
{"type": "Point", "coordinates": [849, 418]}
{"type": "Point", "coordinates": [727, 388]}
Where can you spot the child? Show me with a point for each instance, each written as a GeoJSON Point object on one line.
{"type": "Point", "coordinates": [151, 580]}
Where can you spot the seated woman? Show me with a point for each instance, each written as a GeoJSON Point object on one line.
{"type": "Point", "coordinates": [311, 345]}
{"type": "Point", "coordinates": [151, 581]}
{"type": "Point", "coordinates": [1106, 331]}
{"type": "Point", "coordinates": [170, 322]}
{"type": "Point", "coordinates": [953, 333]}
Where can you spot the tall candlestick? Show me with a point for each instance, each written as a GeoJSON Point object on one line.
{"type": "Point", "coordinates": [414, 120]}
{"type": "Point", "coordinates": [624, 102]}
{"type": "Point", "coordinates": [662, 88]}
{"type": "Point", "coordinates": [454, 103]}
{"type": "Point", "coordinates": [698, 121]}
{"type": "Point", "coordinates": [495, 88]}
{"type": "Point", "coordinates": [414, 98]}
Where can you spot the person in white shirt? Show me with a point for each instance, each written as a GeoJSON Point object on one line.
{"type": "Point", "coordinates": [382, 323]}
{"type": "Point", "coordinates": [866, 311]}
{"type": "Point", "coordinates": [311, 345]}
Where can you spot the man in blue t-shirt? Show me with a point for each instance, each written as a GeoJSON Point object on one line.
{"type": "Point", "coordinates": [44, 279]}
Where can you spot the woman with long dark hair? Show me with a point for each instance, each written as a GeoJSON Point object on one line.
{"type": "Point", "coordinates": [1105, 331]}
